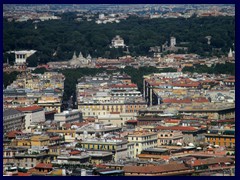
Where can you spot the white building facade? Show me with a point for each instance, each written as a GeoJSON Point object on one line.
{"type": "Point", "coordinates": [69, 116]}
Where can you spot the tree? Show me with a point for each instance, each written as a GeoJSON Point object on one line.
{"type": "Point", "coordinates": [39, 71]}
{"type": "Point", "coordinates": [139, 34]}
{"type": "Point", "coordinates": [32, 61]}
{"type": "Point", "coordinates": [9, 78]}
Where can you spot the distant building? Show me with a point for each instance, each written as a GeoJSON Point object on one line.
{"type": "Point", "coordinates": [142, 141]}
{"type": "Point", "coordinates": [117, 119]}
{"type": "Point", "coordinates": [230, 54]}
{"type": "Point", "coordinates": [172, 46]}
{"type": "Point", "coordinates": [101, 16]}
{"type": "Point", "coordinates": [13, 120]}
{"type": "Point", "coordinates": [221, 137]}
{"type": "Point", "coordinates": [167, 137]}
{"type": "Point", "coordinates": [26, 160]}
{"type": "Point", "coordinates": [95, 130]}
{"type": "Point", "coordinates": [115, 94]}
{"type": "Point", "coordinates": [217, 163]}
{"type": "Point", "coordinates": [69, 135]}
{"type": "Point", "coordinates": [117, 146]}
{"type": "Point", "coordinates": [172, 42]}
{"type": "Point", "coordinates": [80, 61]}
{"type": "Point", "coordinates": [69, 116]}
{"type": "Point", "coordinates": [118, 42]}
{"type": "Point", "coordinates": [33, 114]}
{"type": "Point", "coordinates": [21, 56]}
{"type": "Point", "coordinates": [159, 170]}
{"type": "Point", "coordinates": [75, 62]}
{"type": "Point", "coordinates": [10, 152]}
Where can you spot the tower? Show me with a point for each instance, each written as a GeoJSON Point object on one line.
{"type": "Point", "coordinates": [89, 59]}
{"type": "Point", "coordinates": [230, 54]}
{"type": "Point", "coordinates": [74, 55]}
{"type": "Point", "coordinates": [172, 41]}
{"type": "Point", "coordinates": [80, 56]}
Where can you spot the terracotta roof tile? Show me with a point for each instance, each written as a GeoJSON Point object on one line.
{"type": "Point", "coordinates": [201, 100]}
{"type": "Point", "coordinates": [174, 100]}
{"type": "Point", "coordinates": [186, 84]}
{"type": "Point", "coordinates": [211, 161]}
{"type": "Point", "coordinates": [30, 108]}
{"type": "Point", "coordinates": [23, 174]}
{"type": "Point", "coordinates": [67, 125]}
{"type": "Point", "coordinates": [75, 152]}
{"type": "Point", "coordinates": [155, 169]}
{"type": "Point", "coordinates": [79, 124]}
{"type": "Point", "coordinates": [12, 134]}
{"type": "Point", "coordinates": [44, 165]}
{"type": "Point", "coordinates": [124, 86]}
{"type": "Point", "coordinates": [131, 121]}
{"type": "Point", "coordinates": [177, 128]}
{"type": "Point", "coordinates": [229, 80]}
{"type": "Point", "coordinates": [172, 121]}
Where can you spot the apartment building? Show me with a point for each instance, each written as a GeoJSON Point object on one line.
{"type": "Point", "coordinates": [142, 140]}
{"type": "Point", "coordinates": [69, 116]}
{"type": "Point", "coordinates": [13, 120]}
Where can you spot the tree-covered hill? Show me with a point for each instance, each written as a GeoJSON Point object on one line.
{"type": "Point", "coordinates": [67, 35]}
